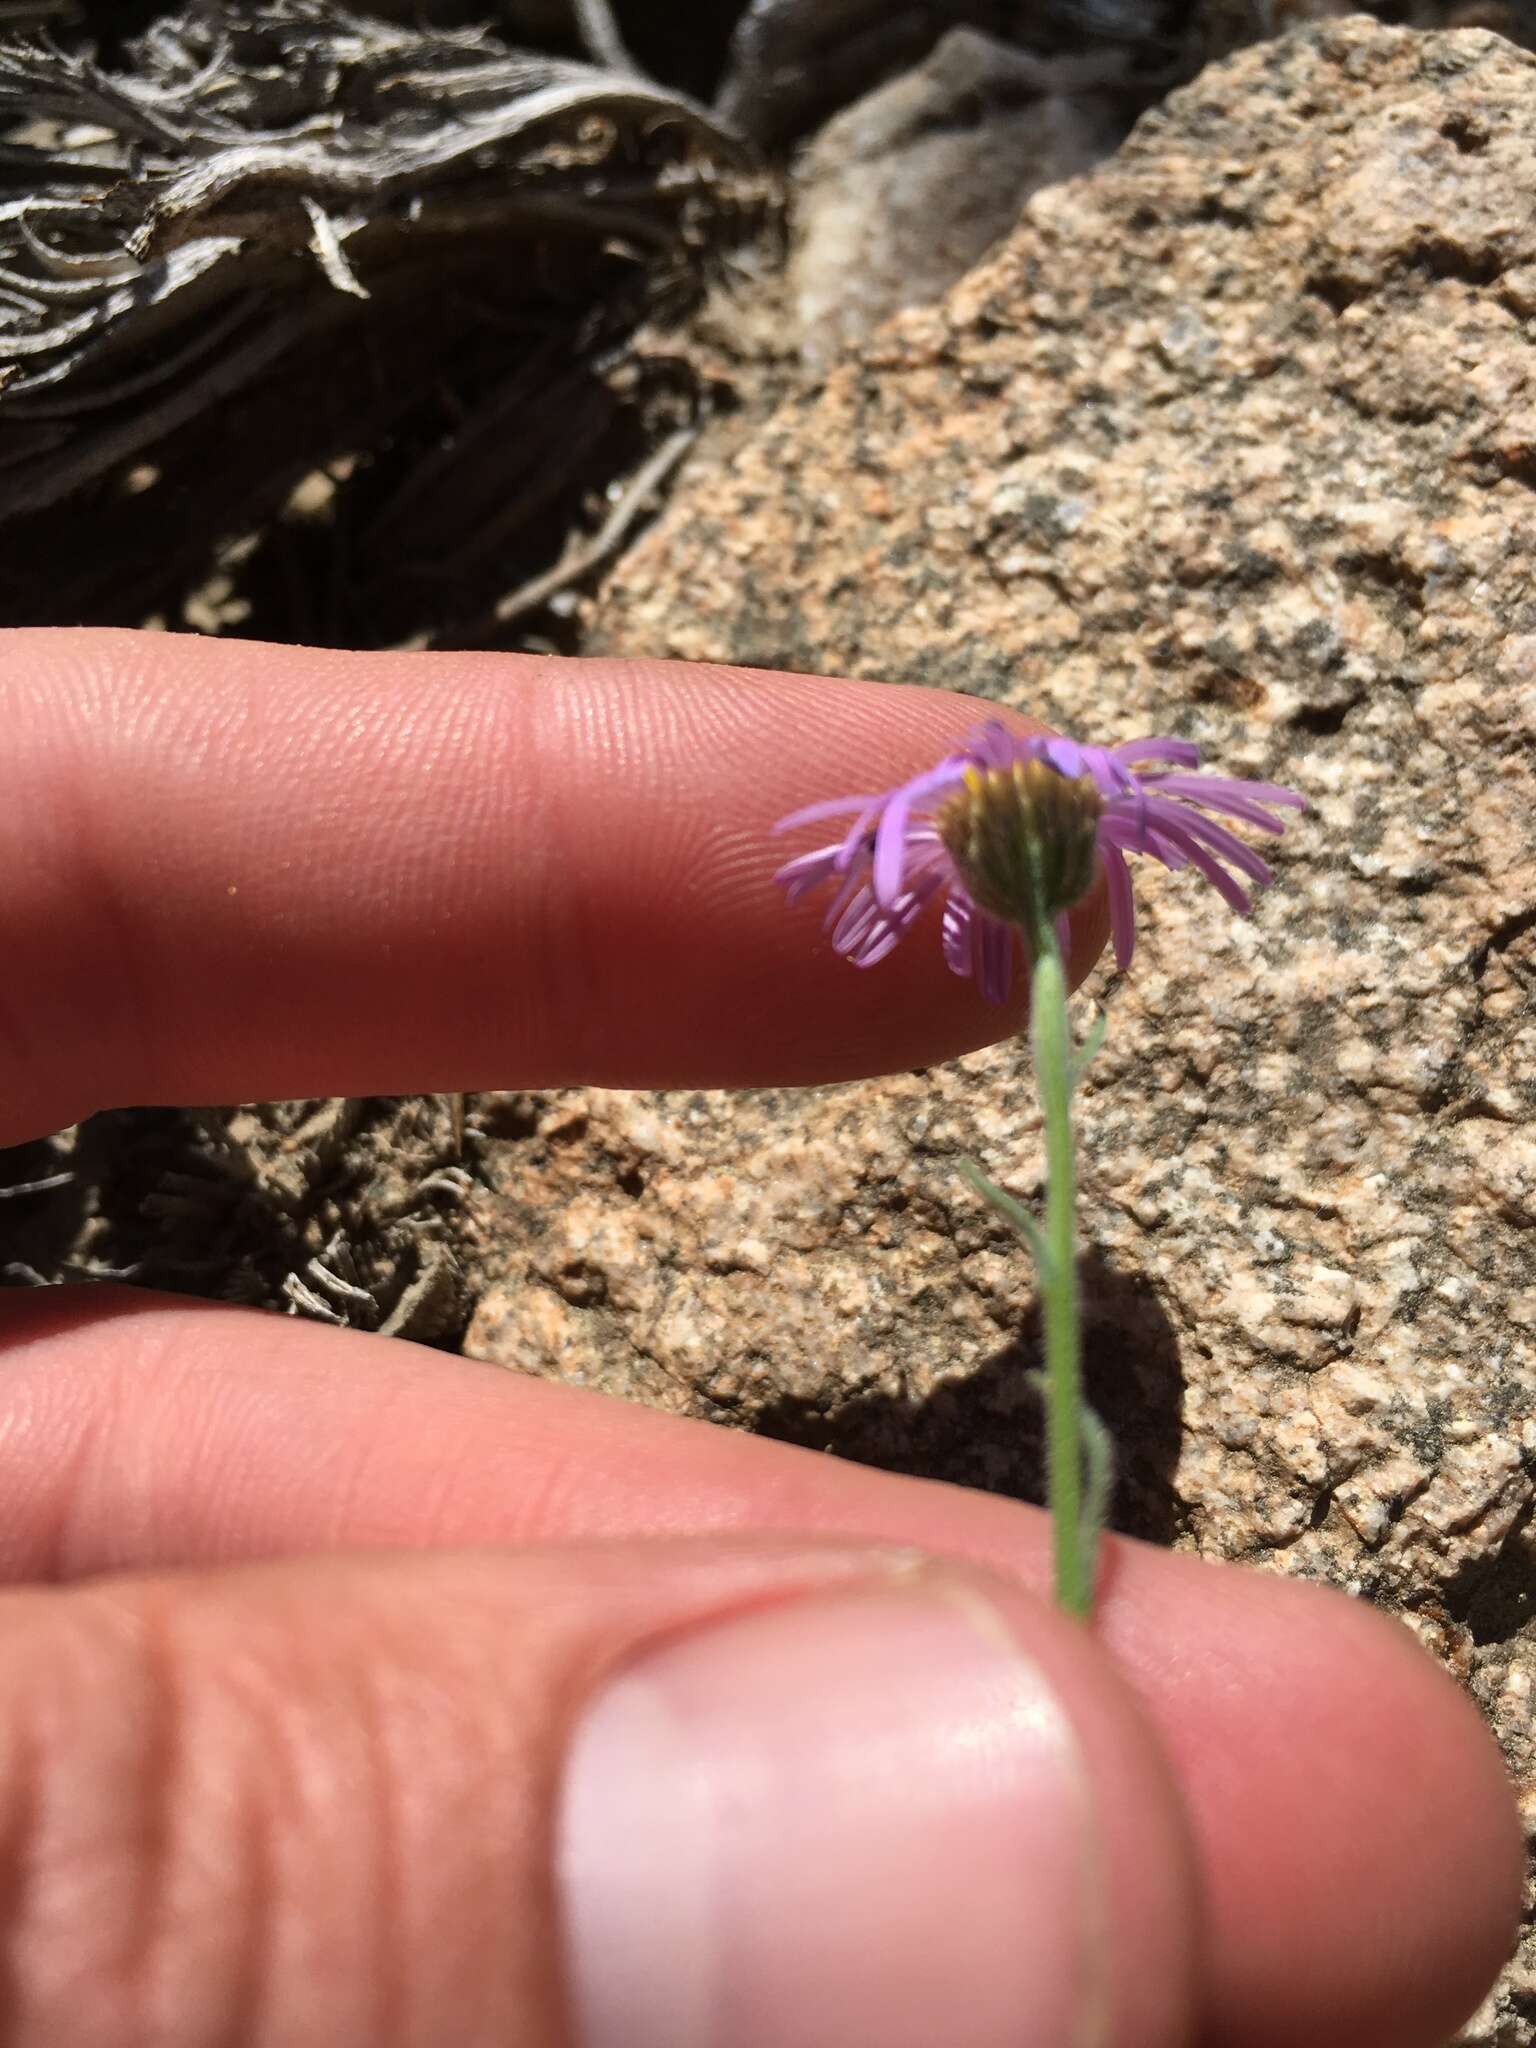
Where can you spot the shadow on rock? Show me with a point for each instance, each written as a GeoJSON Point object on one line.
{"type": "Point", "coordinates": [1496, 1596]}
{"type": "Point", "coordinates": [985, 1428]}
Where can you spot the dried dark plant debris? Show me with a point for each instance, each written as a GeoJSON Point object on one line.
{"type": "Point", "coordinates": [354, 1212]}
{"type": "Point", "coordinates": [348, 294]}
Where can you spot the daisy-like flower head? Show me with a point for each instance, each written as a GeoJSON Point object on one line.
{"type": "Point", "coordinates": [1012, 831]}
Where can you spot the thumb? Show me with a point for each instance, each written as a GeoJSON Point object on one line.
{"type": "Point", "coordinates": [672, 1795]}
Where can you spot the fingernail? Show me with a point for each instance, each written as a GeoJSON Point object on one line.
{"type": "Point", "coordinates": [857, 1818]}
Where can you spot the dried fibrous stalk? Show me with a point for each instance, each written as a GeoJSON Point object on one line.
{"type": "Point", "coordinates": [280, 234]}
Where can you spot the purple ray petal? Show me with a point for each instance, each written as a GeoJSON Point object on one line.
{"type": "Point", "coordinates": [1122, 903]}
{"type": "Point", "coordinates": [992, 744]}
{"type": "Point", "coordinates": [857, 881]}
{"type": "Point", "coordinates": [847, 889]}
{"type": "Point", "coordinates": [1065, 756]}
{"type": "Point", "coordinates": [1209, 866]}
{"type": "Point", "coordinates": [805, 872]}
{"type": "Point", "coordinates": [1245, 800]}
{"type": "Point", "coordinates": [866, 929]}
{"type": "Point", "coordinates": [959, 931]}
{"type": "Point", "coordinates": [834, 807]}
{"type": "Point", "coordinates": [891, 848]}
{"type": "Point", "coordinates": [858, 918]}
{"type": "Point", "coordinates": [928, 856]}
{"type": "Point", "coordinates": [1181, 823]}
{"type": "Point", "coordinates": [1128, 824]}
{"type": "Point", "coordinates": [891, 834]}
{"type": "Point", "coordinates": [858, 840]}
{"type": "Point", "coordinates": [881, 939]}
{"type": "Point", "coordinates": [1154, 748]}
{"type": "Point", "coordinates": [1145, 823]}
{"type": "Point", "coordinates": [996, 964]}
{"type": "Point", "coordinates": [1115, 780]}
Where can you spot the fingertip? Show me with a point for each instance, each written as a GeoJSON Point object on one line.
{"type": "Point", "coordinates": [1436, 1812]}
{"type": "Point", "coordinates": [1365, 1821]}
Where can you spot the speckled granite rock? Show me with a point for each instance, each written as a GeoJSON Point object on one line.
{"type": "Point", "coordinates": [1235, 438]}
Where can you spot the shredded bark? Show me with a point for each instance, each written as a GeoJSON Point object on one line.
{"type": "Point", "coordinates": [291, 269]}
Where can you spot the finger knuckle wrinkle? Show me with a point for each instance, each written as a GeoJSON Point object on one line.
{"type": "Point", "coordinates": [134, 1857]}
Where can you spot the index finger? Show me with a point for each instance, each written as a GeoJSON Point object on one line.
{"type": "Point", "coordinates": [233, 872]}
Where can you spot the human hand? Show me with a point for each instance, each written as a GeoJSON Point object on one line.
{"type": "Point", "coordinates": [352, 1694]}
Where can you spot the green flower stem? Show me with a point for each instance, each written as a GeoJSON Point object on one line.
{"type": "Point", "coordinates": [1079, 1457]}
{"type": "Point", "coordinates": [1055, 1065]}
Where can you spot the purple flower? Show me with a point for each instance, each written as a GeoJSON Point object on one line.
{"type": "Point", "coordinates": [975, 831]}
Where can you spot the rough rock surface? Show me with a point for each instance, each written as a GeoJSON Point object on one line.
{"type": "Point", "coordinates": [1235, 438]}
{"type": "Point", "coordinates": [902, 192]}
